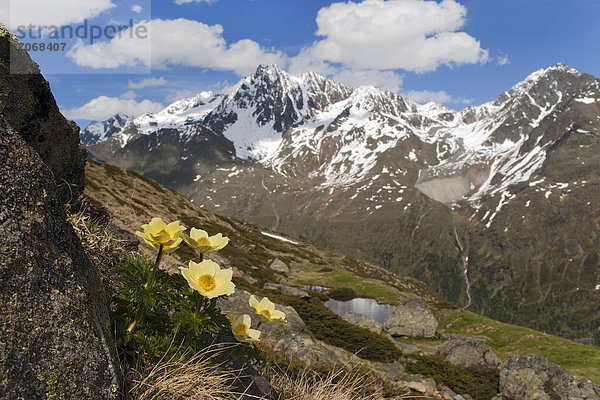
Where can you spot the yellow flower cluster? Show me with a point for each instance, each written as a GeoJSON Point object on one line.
{"type": "Point", "coordinates": [207, 277]}
{"type": "Point", "coordinates": [157, 233]}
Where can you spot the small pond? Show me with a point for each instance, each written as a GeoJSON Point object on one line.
{"type": "Point", "coordinates": [367, 307]}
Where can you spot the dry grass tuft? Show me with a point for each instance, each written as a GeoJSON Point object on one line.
{"type": "Point", "coordinates": [185, 378]}
{"type": "Point", "coordinates": [342, 384]}
{"type": "Point", "coordinates": [91, 234]}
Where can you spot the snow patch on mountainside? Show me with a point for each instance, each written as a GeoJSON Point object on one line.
{"type": "Point", "coordinates": [180, 114]}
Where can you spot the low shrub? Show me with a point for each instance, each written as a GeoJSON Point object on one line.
{"type": "Point", "coordinates": [478, 382]}
{"type": "Point", "coordinates": [342, 294]}
{"type": "Point", "coordinates": [332, 329]}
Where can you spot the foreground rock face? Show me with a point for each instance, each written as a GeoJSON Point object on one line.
{"type": "Point", "coordinates": [55, 336]}
{"type": "Point", "coordinates": [29, 107]}
{"type": "Point", "coordinates": [468, 352]}
{"type": "Point", "coordinates": [413, 318]}
{"type": "Point", "coordinates": [534, 377]}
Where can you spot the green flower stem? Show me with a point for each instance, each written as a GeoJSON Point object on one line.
{"type": "Point", "coordinates": [150, 282]}
{"type": "Point", "coordinates": [139, 315]}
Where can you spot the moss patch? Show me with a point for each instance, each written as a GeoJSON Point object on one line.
{"type": "Point", "coordinates": [480, 383]}
{"type": "Point", "coordinates": [332, 329]}
{"type": "Point", "coordinates": [510, 340]}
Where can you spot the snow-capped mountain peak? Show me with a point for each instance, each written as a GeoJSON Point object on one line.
{"type": "Point", "coordinates": [310, 127]}
{"type": "Point", "coordinates": [100, 131]}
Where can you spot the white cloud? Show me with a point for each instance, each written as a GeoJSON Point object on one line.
{"type": "Point", "coordinates": [104, 107]}
{"type": "Point", "coordinates": [305, 61]}
{"type": "Point", "coordinates": [175, 95]}
{"type": "Point", "coordinates": [503, 59]}
{"type": "Point", "coordinates": [180, 42]}
{"type": "Point", "coordinates": [387, 80]}
{"type": "Point", "coordinates": [413, 35]}
{"type": "Point", "coordinates": [137, 8]}
{"type": "Point", "coordinates": [442, 97]}
{"type": "Point", "coordinates": [195, 1]}
{"type": "Point", "coordinates": [147, 82]}
{"type": "Point", "coordinates": [130, 94]}
{"type": "Point", "coordinates": [56, 12]}
{"type": "Point", "coordinates": [425, 96]}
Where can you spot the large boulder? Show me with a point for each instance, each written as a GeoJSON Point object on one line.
{"type": "Point", "coordinates": [468, 352]}
{"type": "Point", "coordinates": [535, 377]}
{"type": "Point", "coordinates": [412, 318]}
{"type": "Point", "coordinates": [55, 334]}
{"type": "Point", "coordinates": [362, 321]}
{"type": "Point", "coordinates": [29, 107]}
{"type": "Point", "coordinates": [279, 266]}
{"type": "Point", "coordinates": [301, 347]}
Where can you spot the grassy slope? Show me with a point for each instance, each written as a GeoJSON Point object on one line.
{"type": "Point", "coordinates": [133, 200]}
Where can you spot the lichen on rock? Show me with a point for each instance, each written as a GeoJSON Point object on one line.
{"type": "Point", "coordinates": [55, 336]}
{"type": "Point", "coordinates": [412, 318]}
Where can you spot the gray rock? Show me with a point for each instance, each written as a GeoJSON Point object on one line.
{"type": "Point", "coordinates": [405, 347]}
{"type": "Point", "coordinates": [279, 266]}
{"type": "Point", "coordinates": [238, 303]}
{"type": "Point", "coordinates": [55, 334]}
{"type": "Point", "coordinates": [247, 277]}
{"type": "Point", "coordinates": [30, 109]}
{"type": "Point", "coordinates": [468, 352]}
{"type": "Point", "coordinates": [413, 318]}
{"type": "Point", "coordinates": [249, 381]}
{"type": "Point", "coordinates": [287, 290]}
{"type": "Point", "coordinates": [299, 346]}
{"type": "Point", "coordinates": [362, 321]}
{"type": "Point", "coordinates": [535, 377]}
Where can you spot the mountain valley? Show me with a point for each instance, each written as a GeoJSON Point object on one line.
{"type": "Point", "coordinates": [495, 206]}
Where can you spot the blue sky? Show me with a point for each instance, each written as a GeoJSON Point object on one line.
{"type": "Point", "coordinates": [458, 52]}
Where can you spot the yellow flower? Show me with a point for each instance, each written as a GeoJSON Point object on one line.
{"type": "Point", "coordinates": [266, 311]}
{"type": "Point", "coordinates": [208, 279]}
{"type": "Point", "coordinates": [199, 239]}
{"type": "Point", "coordinates": [240, 327]}
{"type": "Point", "coordinates": [157, 233]}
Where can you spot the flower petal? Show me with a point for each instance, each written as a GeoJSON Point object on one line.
{"type": "Point", "coordinates": [253, 302]}
{"type": "Point", "coordinates": [253, 335]}
{"type": "Point", "coordinates": [197, 234]}
{"type": "Point", "coordinates": [208, 267]}
{"type": "Point", "coordinates": [175, 229]}
{"type": "Point", "coordinates": [187, 274]}
{"type": "Point", "coordinates": [191, 242]}
{"type": "Point", "coordinates": [224, 289]}
{"type": "Point", "coordinates": [224, 275]}
{"type": "Point", "coordinates": [156, 225]}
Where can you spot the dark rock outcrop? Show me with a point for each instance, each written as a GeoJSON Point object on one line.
{"type": "Point", "coordinates": [29, 107]}
{"type": "Point", "coordinates": [413, 318]}
{"type": "Point", "coordinates": [468, 352]}
{"type": "Point", "coordinates": [535, 377]}
{"type": "Point", "coordinates": [55, 336]}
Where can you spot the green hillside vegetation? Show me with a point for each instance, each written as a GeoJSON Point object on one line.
{"type": "Point", "coordinates": [132, 199]}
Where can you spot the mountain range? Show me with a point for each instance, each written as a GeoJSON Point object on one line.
{"type": "Point", "coordinates": [494, 206]}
